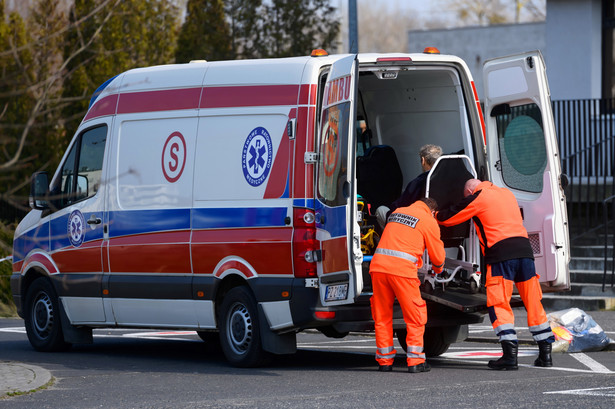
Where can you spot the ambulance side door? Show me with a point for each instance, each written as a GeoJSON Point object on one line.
{"type": "Point", "coordinates": [523, 156]}
{"type": "Point", "coordinates": [336, 206]}
{"type": "Point", "coordinates": [76, 230]}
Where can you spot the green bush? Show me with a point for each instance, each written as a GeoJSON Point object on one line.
{"type": "Point", "coordinates": [7, 308]}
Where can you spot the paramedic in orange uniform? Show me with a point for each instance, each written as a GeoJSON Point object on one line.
{"type": "Point", "coordinates": [510, 259]}
{"type": "Point", "coordinates": [394, 275]}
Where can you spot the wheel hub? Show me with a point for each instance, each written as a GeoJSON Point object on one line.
{"type": "Point", "coordinates": [240, 329]}
{"type": "Point", "coordinates": [43, 315]}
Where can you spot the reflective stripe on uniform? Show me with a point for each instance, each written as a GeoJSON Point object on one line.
{"type": "Point", "coordinates": [504, 327]}
{"type": "Point", "coordinates": [542, 332]}
{"type": "Point", "coordinates": [506, 332]}
{"type": "Point", "coordinates": [415, 352]}
{"type": "Point", "coordinates": [540, 328]}
{"type": "Point", "coordinates": [385, 352]}
{"type": "Point", "coordinates": [508, 337]}
{"type": "Point", "coordinates": [397, 253]}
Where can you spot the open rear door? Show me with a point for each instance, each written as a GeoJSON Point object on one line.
{"type": "Point", "coordinates": [336, 204]}
{"type": "Point", "coordinates": [523, 156]}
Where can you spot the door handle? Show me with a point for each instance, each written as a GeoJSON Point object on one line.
{"type": "Point", "coordinates": [94, 220]}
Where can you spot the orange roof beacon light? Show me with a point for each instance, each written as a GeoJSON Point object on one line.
{"type": "Point", "coordinates": [431, 50]}
{"type": "Point", "coordinates": [319, 52]}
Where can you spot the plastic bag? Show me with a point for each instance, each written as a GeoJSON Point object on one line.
{"type": "Point", "coordinates": [578, 329]}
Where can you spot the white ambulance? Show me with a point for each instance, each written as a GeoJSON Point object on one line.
{"type": "Point", "coordinates": [237, 198]}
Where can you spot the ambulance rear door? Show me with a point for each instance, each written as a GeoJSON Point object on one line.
{"type": "Point", "coordinates": [340, 281]}
{"type": "Point", "coordinates": [523, 156]}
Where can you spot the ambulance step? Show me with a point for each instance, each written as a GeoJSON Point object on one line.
{"type": "Point", "coordinates": [461, 299]}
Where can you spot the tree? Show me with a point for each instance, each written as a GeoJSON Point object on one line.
{"type": "Point", "coordinates": [29, 90]}
{"type": "Point", "coordinates": [384, 28]}
{"type": "Point", "coordinates": [205, 34]}
{"type": "Point", "coordinates": [246, 26]}
{"type": "Point", "coordinates": [108, 38]}
{"type": "Point", "coordinates": [256, 29]}
{"type": "Point", "coordinates": [294, 28]}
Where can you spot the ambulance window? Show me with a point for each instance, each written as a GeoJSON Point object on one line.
{"type": "Point", "coordinates": [332, 164]}
{"type": "Point", "coordinates": [85, 161]}
{"type": "Point", "coordinates": [522, 147]}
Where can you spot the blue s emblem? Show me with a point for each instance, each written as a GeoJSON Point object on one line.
{"type": "Point", "coordinates": [76, 228]}
{"type": "Point", "coordinates": [256, 156]}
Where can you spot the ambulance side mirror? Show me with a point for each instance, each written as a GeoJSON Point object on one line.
{"type": "Point", "coordinates": [39, 191]}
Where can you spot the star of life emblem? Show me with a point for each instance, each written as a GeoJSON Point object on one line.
{"type": "Point", "coordinates": [76, 228]}
{"type": "Point", "coordinates": [256, 156]}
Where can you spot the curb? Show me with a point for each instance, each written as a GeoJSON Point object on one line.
{"type": "Point", "coordinates": [16, 378]}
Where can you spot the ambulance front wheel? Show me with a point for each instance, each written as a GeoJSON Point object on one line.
{"type": "Point", "coordinates": [42, 317]}
{"type": "Point", "coordinates": [239, 329]}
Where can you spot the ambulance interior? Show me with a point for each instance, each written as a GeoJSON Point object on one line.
{"type": "Point", "coordinates": [398, 111]}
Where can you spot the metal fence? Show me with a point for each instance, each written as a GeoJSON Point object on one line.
{"type": "Point", "coordinates": [586, 135]}
{"type": "Point", "coordinates": [586, 132]}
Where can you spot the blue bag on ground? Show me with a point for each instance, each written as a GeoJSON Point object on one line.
{"type": "Point", "coordinates": [587, 335]}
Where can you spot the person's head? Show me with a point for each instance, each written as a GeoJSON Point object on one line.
{"type": "Point", "coordinates": [429, 154]}
{"type": "Point", "coordinates": [470, 186]}
{"type": "Point", "coordinates": [430, 202]}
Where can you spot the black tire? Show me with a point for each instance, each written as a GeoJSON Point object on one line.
{"type": "Point", "coordinates": [433, 341]}
{"type": "Point", "coordinates": [208, 336]}
{"type": "Point", "coordinates": [331, 332]}
{"type": "Point", "coordinates": [240, 331]}
{"type": "Point", "coordinates": [42, 317]}
{"type": "Point", "coordinates": [401, 338]}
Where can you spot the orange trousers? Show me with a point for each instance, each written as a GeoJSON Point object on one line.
{"type": "Point", "coordinates": [499, 284]}
{"type": "Point", "coordinates": [387, 287]}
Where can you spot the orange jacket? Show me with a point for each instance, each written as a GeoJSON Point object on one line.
{"type": "Point", "coordinates": [408, 232]}
{"type": "Point", "coordinates": [497, 219]}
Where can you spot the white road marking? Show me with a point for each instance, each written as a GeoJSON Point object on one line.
{"type": "Point", "coordinates": [604, 391]}
{"type": "Point", "coordinates": [20, 330]}
{"type": "Point", "coordinates": [484, 353]}
{"type": "Point", "coordinates": [590, 363]}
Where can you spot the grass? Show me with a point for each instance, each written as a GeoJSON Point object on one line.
{"type": "Point", "coordinates": [8, 310]}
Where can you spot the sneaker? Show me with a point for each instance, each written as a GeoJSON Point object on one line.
{"type": "Point", "coordinates": [385, 368]}
{"type": "Point", "coordinates": [424, 367]}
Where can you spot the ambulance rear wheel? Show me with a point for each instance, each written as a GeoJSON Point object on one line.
{"type": "Point", "coordinates": [433, 341]}
{"type": "Point", "coordinates": [212, 340]}
{"type": "Point", "coordinates": [239, 329]}
{"type": "Point", "coordinates": [401, 338]}
{"type": "Point", "coordinates": [42, 317]}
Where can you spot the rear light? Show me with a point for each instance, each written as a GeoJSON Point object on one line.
{"type": "Point", "coordinates": [393, 59]}
{"type": "Point", "coordinates": [324, 315]}
{"type": "Point", "coordinates": [431, 50]}
{"type": "Point", "coordinates": [306, 248]}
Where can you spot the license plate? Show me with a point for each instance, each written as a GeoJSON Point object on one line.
{"type": "Point", "coordinates": [336, 292]}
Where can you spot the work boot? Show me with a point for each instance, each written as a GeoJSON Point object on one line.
{"type": "Point", "coordinates": [544, 354]}
{"type": "Point", "coordinates": [424, 367]}
{"type": "Point", "coordinates": [508, 361]}
{"type": "Point", "coordinates": [385, 368]}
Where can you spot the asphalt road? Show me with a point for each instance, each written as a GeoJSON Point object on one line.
{"type": "Point", "coordinates": [174, 369]}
